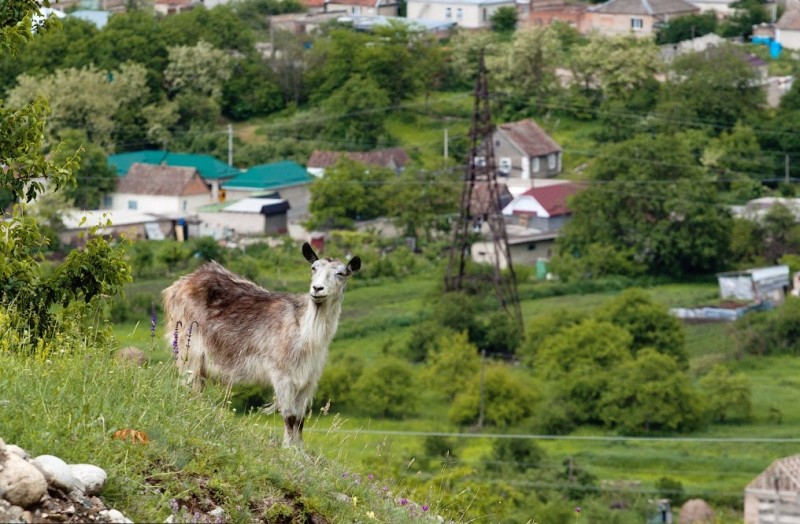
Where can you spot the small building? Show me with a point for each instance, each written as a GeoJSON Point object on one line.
{"type": "Point", "coordinates": [394, 158]}
{"type": "Point", "coordinates": [470, 14]}
{"type": "Point", "coordinates": [132, 224]}
{"type": "Point", "coordinates": [524, 152]}
{"type": "Point", "coordinates": [542, 208]}
{"type": "Point", "coordinates": [634, 17]}
{"type": "Point", "coordinates": [787, 28]}
{"type": "Point", "coordinates": [291, 180]}
{"type": "Point", "coordinates": [774, 495]}
{"type": "Point", "coordinates": [253, 216]}
{"type": "Point", "coordinates": [526, 246]}
{"type": "Point", "coordinates": [214, 172]}
{"type": "Point", "coordinates": [160, 190]}
{"type": "Point", "coordinates": [758, 284]}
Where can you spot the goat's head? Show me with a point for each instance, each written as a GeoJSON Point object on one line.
{"type": "Point", "coordinates": [328, 275]}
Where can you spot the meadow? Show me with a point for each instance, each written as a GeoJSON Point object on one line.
{"type": "Point", "coordinates": [715, 463]}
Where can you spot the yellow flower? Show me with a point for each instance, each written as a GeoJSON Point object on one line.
{"type": "Point", "coordinates": [355, 501]}
{"type": "Point", "coordinates": [371, 514]}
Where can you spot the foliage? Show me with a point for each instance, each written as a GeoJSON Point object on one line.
{"type": "Point", "coordinates": [648, 322]}
{"type": "Point", "coordinates": [727, 397]}
{"type": "Point", "coordinates": [336, 384]}
{"type": "Point", "coordinates": [200, 69]}
{"type": "Point", "coordinates": [94, 177]}
{"type": "Point", "coordinates": [355, 113]}
{"type": "Point", "coordinates": [418, 200]}
{"type": "Point", "coordinates": [508, 398]}
{"type": "Point", "coordinates": [388, 390]}
{"type": "Point", "coordinates": [452, 364]}
{"type": "Point", "coordinates": [773, 332]}
{"type": "Point", "coordinates": [504, 20]}
{"type": "Point", "coordinates": [686, 27]}
{"type": "Point", "coordinates": [650, 394]}
{"type": "Point", "coordinates": [544, 326]}
{"type": "Point", "coordinates": [515, 454]}
{"type": "Point", "coordinates": [676, 228]}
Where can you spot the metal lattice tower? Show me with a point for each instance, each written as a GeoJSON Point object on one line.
{"type": "Point", "coordinates": [480, 203]}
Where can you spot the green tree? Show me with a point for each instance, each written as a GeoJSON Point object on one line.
{"type": "Point", "coordinates": [452, 363]}
{"type": "Point", "coordinates": [419, 200]}
{"type": "Point", "coordinates": [508, 399]}
{"type": "Point", "coordinates": [540, 327]}
{"type": "Point", "coordinates": [75, 287]}
{"type": "Point", "coordinates": [94, 178]}
{"type": "Point", "coordinates": [221, 26]}
{"type": "Point", "coordinates": [349, 191]}
{"type": "Point", "coordinates": [354, 114]}
{"type": "Point", "coordinates": [578, 364]}
{"type": "Point", "coordinates": [775, 332]}
{"type": "Point", "coordinates": [651, 204]}
{"type": "Point", "coordinates": [781, 233]}
{"type": "Point", "coordinates": [648, 322]}
{"type": "Point", "coordinates": [388, 390]}
{"type": "Point", "coordinates": [200, 69]}
{"type": "Point", "coordinates": [736, 159]}
{"type": "Point", "coordinates": [336, 384]}
{"type": "Point", "coordinates": [727, 397]}
{"type": "Point", "coordinates": [504, 20]}
{"type": "Point", "coordinates": [650, 394]}
{"type": "Point", "coordinates": [531, 71]}
{"type": "Point", "coordinates": [515, 454]}
{"type": "Point", "coordinates": [685, 27]}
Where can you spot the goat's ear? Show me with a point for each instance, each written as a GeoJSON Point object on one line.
{"type": "Point", "coordinates": [354, 264]}
{"type": "Point", "coordinates": [308, 252]}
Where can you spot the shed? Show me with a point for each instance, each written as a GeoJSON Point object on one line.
{"type": "Point", "coordinates": [289, 178]}
{"type": "Point", "coordinates": [774, 495]}
{"type": "Point", "coordinates": [254, 216]}
{"type": "Point", "coordinates": [765, 283]}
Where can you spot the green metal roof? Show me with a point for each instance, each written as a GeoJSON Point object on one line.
{"type": "Point", "coordinates": [209, 167]}
{"type": "Point", "coordinates": [270, 176]}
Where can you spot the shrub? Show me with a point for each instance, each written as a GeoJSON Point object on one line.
{"type": "Point", "coordinates": [773, 332]}
{"type": "Point", "coordinates": [507, 399]}
{"type": "Point", "coordinates": [515, 453]}
{"type": "Point", "coordinates": [452, 363]}
{"type": "Point", "coordinates": [387, 390]}
{"type": "Point", "coordinates": [336, 384]}
{"type": "Point", "coordinates": [727, 397]}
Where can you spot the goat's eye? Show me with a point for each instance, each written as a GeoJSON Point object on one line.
{"type": "Point", "coordinates": [341, 275]}
{"type": "Point", "coordinates": [313, 269]}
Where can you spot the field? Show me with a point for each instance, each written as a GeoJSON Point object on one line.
{"type": "Point", "coordinates": [714, 464]}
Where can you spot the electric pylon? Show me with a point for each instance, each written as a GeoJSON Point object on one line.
{"type": "Point", "coordinates": [480, 204]}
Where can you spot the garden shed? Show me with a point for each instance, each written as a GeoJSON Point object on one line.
{"type": "Point", "coordinates": [765, 283]}
{"type": "Point", "coordinates": [774, 495]}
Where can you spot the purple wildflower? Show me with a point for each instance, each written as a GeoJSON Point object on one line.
{"type": "Point", "coordinates": [370, 476]}
{"type": "Point", "coordinates": [424, 507]}
{"type": "Point", "coordinates": [175, 340]}
{"type": "Point", "coordinates": [176, 507]}
{"type": "Point", "coordinates": [403, 501]}
{"type": "Point", "coordinates": [577, 509]}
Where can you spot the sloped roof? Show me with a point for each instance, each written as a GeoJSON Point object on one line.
{"type": "Point", "coordinates": [643, 7]}
{"type": "Point", "coordinates": [149, 179]}
{"type": "Point", "coordinates": [209, 167]}
{"type": "Point", "coordinates": [790, 19]}
{"type": "Point", "coordinates": [552, 198]}
{"type": "Point", "coordinates": [786, 471]}
{"type": "Point", "coordinates": [269, 176]}
{"type": "Point", "coordinates": [390, 157]}
{"type": "Point", "coordinates": [529, 138]}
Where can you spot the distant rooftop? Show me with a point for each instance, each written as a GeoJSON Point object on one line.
{"type": "Point", "coordinates": [270, 176]}
{"type": "Point", "coordinates": [209, 167]}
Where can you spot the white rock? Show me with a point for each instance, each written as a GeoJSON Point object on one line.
{"type": "Point", "coordinates": [115, 516]}
{"type": "Point", "coordinates": [21, 483]}
{"type": "Point", "coordinates": [57, 472]}
{"type": "Point", "coordinates": [216, 512]}
{"type": "Point", "coordinates": [170, 520]}
{"type": "Point", "coordinates": [90, 479]}
{"type": "Point", "coordinates": [17, 450]}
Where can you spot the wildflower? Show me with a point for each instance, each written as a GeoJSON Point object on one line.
{"type": "Point", "coordinates": [355, 501]}
{"type": "Point", "coordinates": [370, 476]}
{"type": "Point", "coordinates": [424, 507]}
{"type": "Point", "coordinates": [403, 501]}
{"type": "Point", "coordinates": [577, 509]}
{"type": "Point", "coordinates": [153, 321]}
{"type": "Point", "coordinates": [176, 507]}
{"type": "Point", "coordinates": [371, 514]}
{"type": "Point", "coordinates": [175, 341]}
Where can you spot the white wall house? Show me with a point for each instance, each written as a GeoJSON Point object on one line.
{"type": "Point", "coordinates": [162, 190]}
{"type": "Point", "coordinates": [471, 14]}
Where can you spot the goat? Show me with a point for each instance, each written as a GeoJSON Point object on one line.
{"type": "Point", "coordinates": [245, 334]}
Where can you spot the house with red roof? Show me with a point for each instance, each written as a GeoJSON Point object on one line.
{"type": "Point", "coordinates": [634, 17]}
{"type": "Point", "coordinates": [166, 191]}
{"type": "Point", "coordinates": [544, 208]}
{"type": "Point", "coordinates": [524, 152]}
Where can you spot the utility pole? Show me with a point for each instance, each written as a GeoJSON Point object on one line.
{"type": "Point", "coordinates": [483, 390]}
{"type": "Point", "coordinates": [445, 143]}
{"type": "Point", "coordinates": [230, 145]}
{"type": "Point", "coordinates": [786, 177]}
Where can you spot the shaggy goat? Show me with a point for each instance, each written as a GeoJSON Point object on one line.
{"type": "Point", "coordinates": [230, 329]}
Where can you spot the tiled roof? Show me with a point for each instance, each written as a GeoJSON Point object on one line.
{"type": "Point", "coordinates": [784, 471]}
{"type": "Point", "coordinates": [391, 157]}
{"type": "Point", "coordinates": [209, 167]}
{"type": "Point", "coordinates": [529, 138]}
{"type": "Point", "coordinates": [790, 20]}
{"type": "Point", "coordinates": [643, 7]}
{"type": "Point", "coordinates": [270, 176]}
{"type": "Point", "coordinates": [149, 179]}
{"type": "Point", "coordinates": [553, 198]}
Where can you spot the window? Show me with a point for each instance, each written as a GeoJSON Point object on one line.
{"type": "Point", "coordinates": [480, 161]}
{"type": "Point", "coordinates": [551, 161]}
{"type": "Point", "coordinates": [536, 165]}
{"type": "Point", "coordinates": [108, 202]}
{"type": "Point", "coordinates": [185, 205]}
{"type": "Point", "coordinates": [505, 165]}
{"type": "Point", "coordinates": [637, 24]}
{"type": "Point", "coordinates": [459, 13]}
{"type": "Point", "coordinates": [485, 15]}
{"type": "Point", "coordinates": [132, 205]}
{"type": "Point", "coordinates": [448, 12]}
{"type": "Point", "coordinates": [356, 10]}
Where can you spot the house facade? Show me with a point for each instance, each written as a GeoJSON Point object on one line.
{"type": "Point", "coordinates": [362, 7]}
{"type": "Point", "coordinates": [253, 216]}
{"type": "Point", "coordinates": [394, 158]}
{"type": "Point", "coordinates": [634, 17]}
{"type": "Point", "coordinates": [470, 14]}
{"type": "Point", "coordinates": [524, 152]}
{"type": "Point", "coordinates": [542, 208]}
{"type": "Point", "coordinates": [160, 190]}
{"type": "Point", "coordinates": [787, 28]}
{"type": "Point", "coordinates": [289, 179]}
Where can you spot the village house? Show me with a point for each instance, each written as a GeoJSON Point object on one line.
{"type": "Point", "coordinates": [470, 14]}
{"type": "Point", "coordinates": [524, 152]}
{"type": "Point", "coordinates": [288, 179]}
{"type": "Point", "coordinates": [394, 158]}
{"type": "Point", "coordinates": [634, 17]}
{"type": "Point", "coordinates": [252, 216]}
{"type": "Point", "coordinates": [774, 495]}
{"type": "Point", "coordinates": [160, 190]}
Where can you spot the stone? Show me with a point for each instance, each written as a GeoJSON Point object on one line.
{"type": "Point", "coordinates": [90, 479]}
{"type": "Point", "coordinates": [17, 451]}
{"type": "Point", "coordinates": [216, 512]}
{"type": "Point", "coordinates": [57, 472]}
{"type": "Point", "coordinates": [115, 517]}
{"type": "Point", "coordinates": [21, 483]}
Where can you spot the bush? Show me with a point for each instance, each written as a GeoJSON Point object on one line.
{"type": "Point", "coordinates": [727, 397]}
{"type": "Point", "coordinates": [775, 332]}
{"type": "Point", "coordinates": [507, 399]}
{"type": "Point", "coordinates": [336, 384]}
{"type": "Point", "coordinates": [388, 390]}
{"type": "Point", "coordinates": [452, 363]}
{"type": "Point", "coordinates": [515, 453]}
